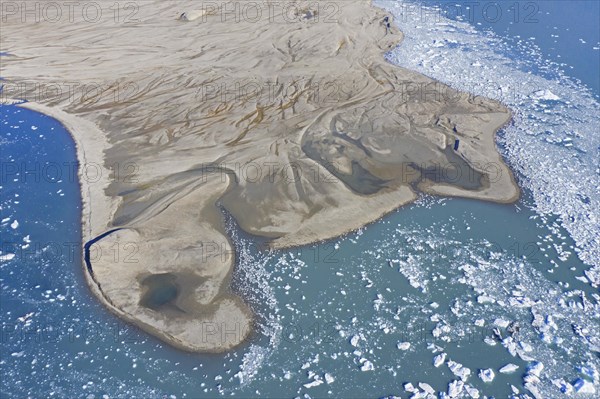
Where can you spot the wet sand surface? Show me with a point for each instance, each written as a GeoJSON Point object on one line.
{"type": "Point", "coordinates": [291, 124]}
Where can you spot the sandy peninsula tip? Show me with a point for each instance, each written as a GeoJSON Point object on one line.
{"type": "Point", "coordinates": [294, 123]}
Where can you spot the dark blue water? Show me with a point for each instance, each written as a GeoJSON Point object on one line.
{"type": "Point", "coordinates": [51, 326]}
{"type": "Point", "coordinates": [566, 32]}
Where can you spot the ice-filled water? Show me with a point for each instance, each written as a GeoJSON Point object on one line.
{"type": "Point", "coordinates": [446, 295]}
{"type": "Point", "coordinates": [554, 140]}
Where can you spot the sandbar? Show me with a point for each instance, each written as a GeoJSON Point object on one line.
{"type": "Point", "coordinates": [293, 123]}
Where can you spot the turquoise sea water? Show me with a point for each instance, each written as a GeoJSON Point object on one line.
{"type": "Point", "coordinates": [356, 317]}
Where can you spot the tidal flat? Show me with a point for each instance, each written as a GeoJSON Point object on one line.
{"type": "Point", "coordinates": [299, 129]}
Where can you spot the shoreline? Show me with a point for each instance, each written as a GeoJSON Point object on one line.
{"type": "Point", "coordinates": [97, 143]}
{"type": "Point", "coordinates": [124, 281]}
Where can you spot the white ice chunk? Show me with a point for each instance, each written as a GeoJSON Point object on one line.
{"type": "Point", "coordinates": [403, 346]}
{"type": "Point", "coordinates": [439, 359]}
{"type": "Point", "coordinates": [545, 95]}
{"type": "Point", "coordinates": [455, 388]}
{"type": "Point", "coordinates": [472, 391]}
{"type": "Point", "coordinates": [459, 370]}
{"type": "Point", "coordinates": [485, 299]}
{"type": "Point", "coordinates": [427, 388]}
{"type": "Point", "coordinates": [408, 387]}
{"type": "Point", "coordinates": [584, 386]}
{"type": "Point", "coordinates": [509, 368]}
{"type": "Point", "coordinates": [486, 375]}
{"type": "Point", "coordinates": [6, 257]}
{"type": "Point", "coordinates": [501, 323]}
{"type": "Point", "coordinates": [312, 384]}
{"type": "Point", "coordinates": [536, 369]}
{"type": "Point", "coordinates": [366, 365]}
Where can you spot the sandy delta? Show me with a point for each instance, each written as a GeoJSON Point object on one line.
{"type": "Point", "coordinates": [284, 115]}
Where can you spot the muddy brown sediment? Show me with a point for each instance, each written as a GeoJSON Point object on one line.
{"type": "Point", "coordinates": [297, 126]}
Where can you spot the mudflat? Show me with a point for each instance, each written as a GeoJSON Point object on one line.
{"type": "Point", "coordinates": [289, 119]}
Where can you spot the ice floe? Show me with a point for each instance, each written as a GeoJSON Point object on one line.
{"type": "Point", "coordinates": [438, 360]}
{"type": "Point", "coordinates": [486, 375]}
{"type": "Point", "coordinates": [509, 368]}
{"type": "Point", "coordinates": [584, 386]}
{"type": "Point", "coordinates": [403, 346]}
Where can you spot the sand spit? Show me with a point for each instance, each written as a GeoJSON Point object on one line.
{"type": "Point", "coordinates": [290, 118]}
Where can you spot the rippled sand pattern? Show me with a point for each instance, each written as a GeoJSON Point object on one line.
{"type": "Point", "coordinates": [295, 124]}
